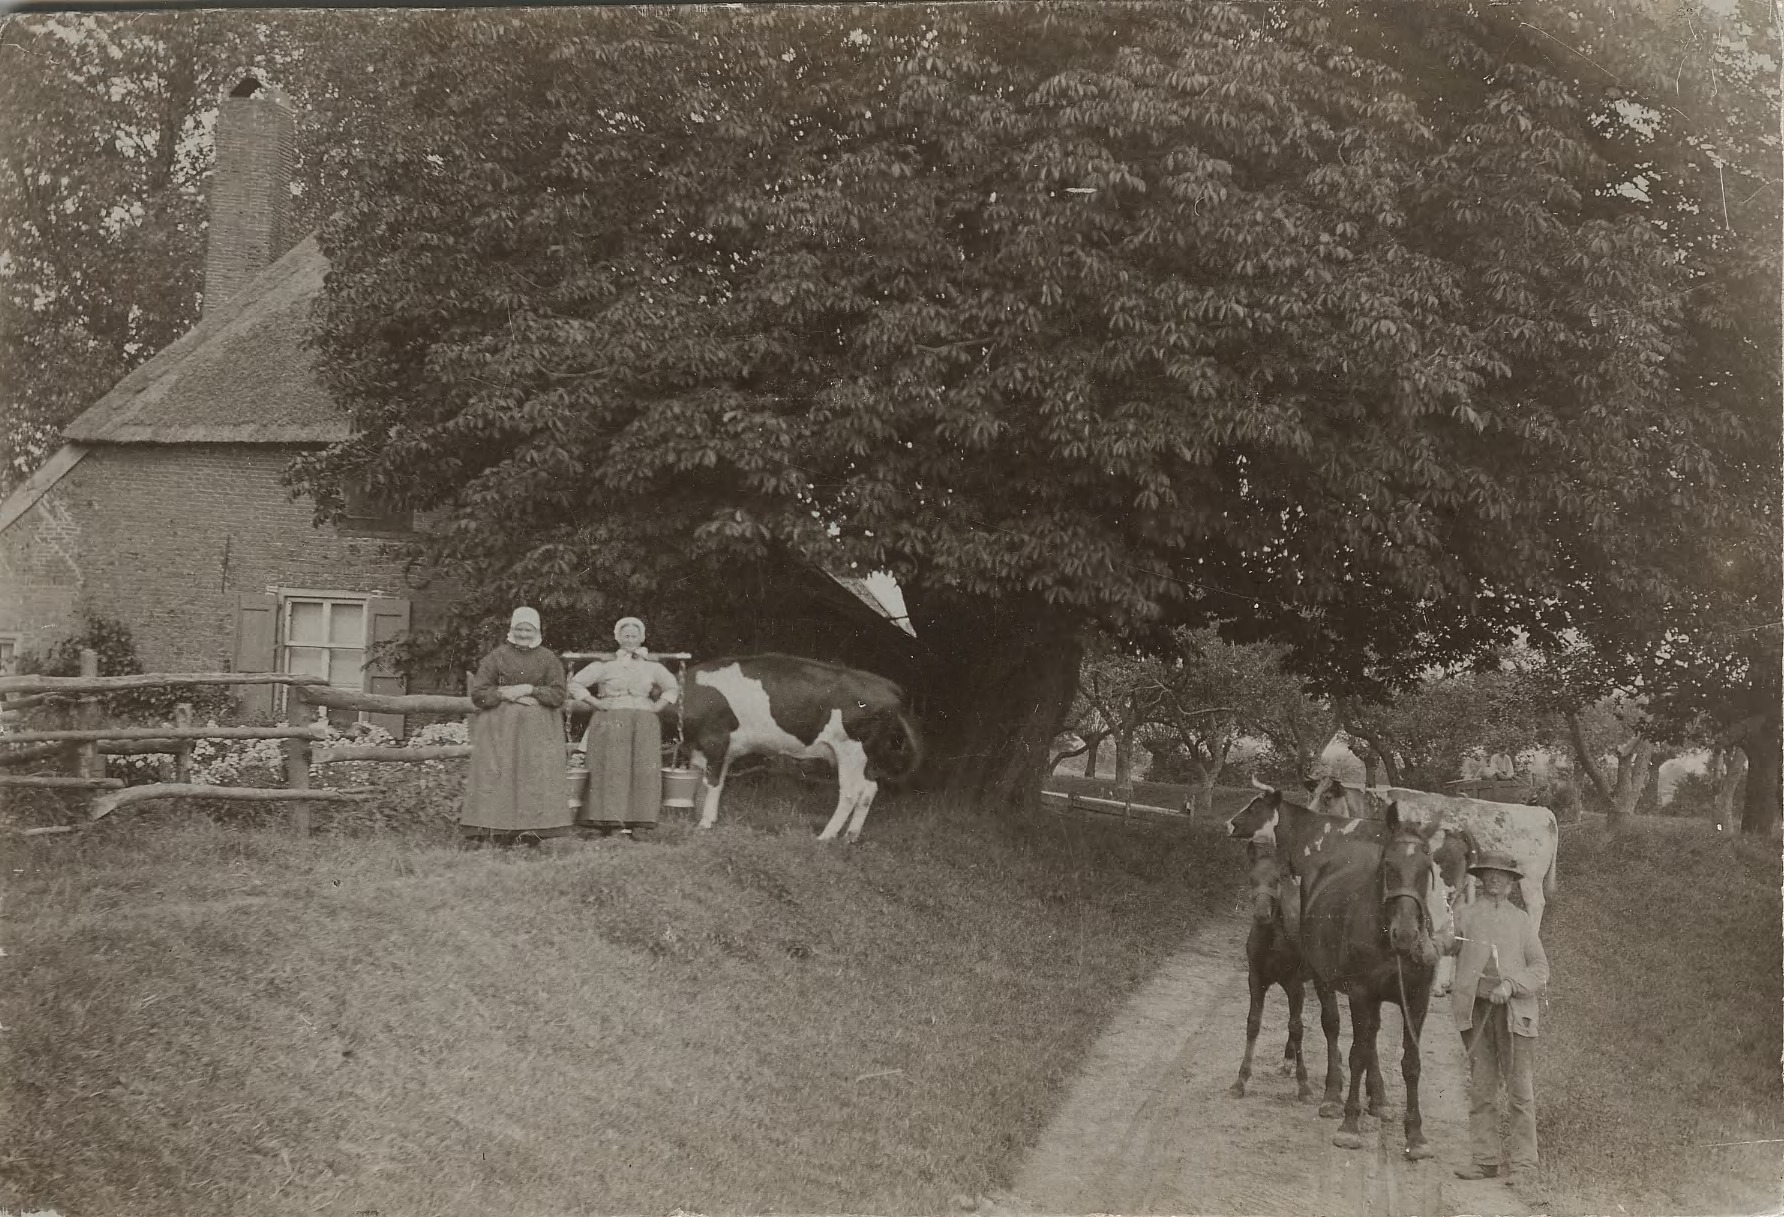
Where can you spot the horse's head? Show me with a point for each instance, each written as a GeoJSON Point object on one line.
{"type": "Point", "coordinates": [1265, 879]}
{"type": "Point", "coordinates": [1410, 885]}
{"type": "Point", "coordinates": [1256, 821]}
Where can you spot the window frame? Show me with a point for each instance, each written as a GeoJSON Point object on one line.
{"type": "Point", "coordinates": [288, 598]}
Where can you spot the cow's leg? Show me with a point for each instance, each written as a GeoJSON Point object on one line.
{"type": "Point", "coordinates": [709, 808]}
{"type": "Point", "coordinates": [1412, 1022]}
{"type": "Point", "coordinates": [1292, 1051]}
{"type": "Point", "coordinates": [851, 779]}
{"type": "Point", "coordinates": [862, 805]}
{"type": "Point", "coordinates": [1254, 1017]}
{"type": "Point", "coordinates": [1332, 1103]}
{"type": "Point", "coordinates": [1365, 1020]}
{"type": "Point", "coordinates": [1533, 901]}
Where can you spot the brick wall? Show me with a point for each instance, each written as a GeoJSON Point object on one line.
{"type": "Point", "coordinates": [166, 538]}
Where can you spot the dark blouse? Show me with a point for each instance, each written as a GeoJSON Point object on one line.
{"type": "Point", "coordinates": [509, 665]}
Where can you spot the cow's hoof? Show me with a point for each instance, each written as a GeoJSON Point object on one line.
{"type": "Point", "coordinates": [1347, 1140]}
{"type": "Point", "coordinates": [1419, 1152]}
{"type": "Point", "coordinates": [1330, 1111]}
{"type": "Point", "coordinates": [1237, 1090]}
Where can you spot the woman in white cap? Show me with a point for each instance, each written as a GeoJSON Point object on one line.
{"type": "Point", "coordinates": [624, 741]}
{"type": "Point", "coordinates": [515, 787]}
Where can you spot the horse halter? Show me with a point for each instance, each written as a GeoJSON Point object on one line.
{"type": "Point", "coordinates": [1388, 894]}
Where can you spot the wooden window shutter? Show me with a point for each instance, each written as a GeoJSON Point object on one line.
{"type": "Point", "coordinates": [256, 650]}
{"type": "Point", "coordinates": [388, 621]}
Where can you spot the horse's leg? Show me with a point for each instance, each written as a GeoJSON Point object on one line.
{"type": "Point", "coordinates": [1254, 1018]}
{"type": "Point", "coordinates": [1412, 1023]}
{"type": "Point", "coordinates": [1332, 1103]}
{"type": "Point", "coordinates": [1378, 1098]}
{"type": "Point", "coordinates": [1296, 995]}
{"type": "Point", "coordinates": [1363, 1020]}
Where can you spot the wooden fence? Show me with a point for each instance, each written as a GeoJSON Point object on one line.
{"type": "Point", "coordinates": [90, 741]}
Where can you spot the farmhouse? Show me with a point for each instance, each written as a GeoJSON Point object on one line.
{"type": "Point", "coordinates": [164, 507]}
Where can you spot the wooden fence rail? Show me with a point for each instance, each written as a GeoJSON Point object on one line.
{"type": "Point", "coordinates": [92, 740]}
{"type": "Point", "coordinates": [147, 680]}
{"type": "Point", "coordinates": [171, 735]}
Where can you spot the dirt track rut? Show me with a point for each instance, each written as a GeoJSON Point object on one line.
{"type": "Point", "coordinates": [1149, 1126]}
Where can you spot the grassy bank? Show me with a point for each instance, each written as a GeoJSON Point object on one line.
{"type": "Point", "coordinates": [224, 1020]}
{"type": "Point", "coordinates": [1662, 1037]}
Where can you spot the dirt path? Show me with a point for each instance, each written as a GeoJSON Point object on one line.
{"type": "Point", "coordinates": [1150, 1128]}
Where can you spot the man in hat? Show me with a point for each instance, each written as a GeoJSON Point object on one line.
{"type": "Point", "coordinates": [1501, 971]}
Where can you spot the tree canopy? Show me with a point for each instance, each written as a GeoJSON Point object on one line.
{"type": "Point", "coordinates": [1324, 319]}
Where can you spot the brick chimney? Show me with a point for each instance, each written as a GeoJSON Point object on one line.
{"type": "Point", "coordinates": [256, 152]}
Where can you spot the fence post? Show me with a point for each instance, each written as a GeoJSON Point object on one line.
{"type": "Point", "coordinates": [297, 777]}
{"type": "Point", "coordinates": [88, 763]}
{"type": "Point", "coordinates": [182, 760]}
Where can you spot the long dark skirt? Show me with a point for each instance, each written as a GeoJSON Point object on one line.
{"type": "Point", "coordinates": [625, 769]}
{"type": "Point", "coordinates": [515, 785]}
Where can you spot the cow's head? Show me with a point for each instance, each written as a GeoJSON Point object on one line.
{"type": "Point", "coordinates": [1256, 821]}
{"type": "Point", "coordinates": [893, 745]}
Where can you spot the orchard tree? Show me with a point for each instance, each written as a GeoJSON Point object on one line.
{"type": "Point", "coordinates": [1209, 694]}
{"type": "Point", "coordinates": [1120, 691]}
{"type": "Point", "coordinates": [1083, 734]}
{"type": "Point", "coordinates": [1314, 318]}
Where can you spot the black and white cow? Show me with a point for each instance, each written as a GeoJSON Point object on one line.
{"type": "Point", "coordinates": [782, 705]}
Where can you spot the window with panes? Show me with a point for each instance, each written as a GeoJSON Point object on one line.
{"type": "Point", "coordinates": [326, 637]}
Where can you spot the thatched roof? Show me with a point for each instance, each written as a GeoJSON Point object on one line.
{"type": "Point", "coordinates": [242, 375]}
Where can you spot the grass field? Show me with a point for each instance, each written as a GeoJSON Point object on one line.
{"type": "Point", "coordinates": [1661, 1041]}
{"type": "Point", "coordinates": [211, 1020]}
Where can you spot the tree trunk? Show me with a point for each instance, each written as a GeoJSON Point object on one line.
{"type": "Point", "coordinates": [1091, 757]}
{"type": "Point", "coordinates": [1382, 755]}
{"type": "Point", "coordinates": [1632, 776]}
{"type": "Point", "coordinates": [1760, 812]}
{"type": "Point", "coordinates": [1208, 777]}
{"type": "Point", "coordinates": [1728, 780]}
{"type": "Point", "coordinates": [1124, 756]}
{"type": "Point", "coordinates": [1588, 764]}
{"type": "Point", "coordinates": [996, 690]}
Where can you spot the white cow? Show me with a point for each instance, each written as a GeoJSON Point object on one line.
{"type": "Point", "coordinates": [1529, 835]}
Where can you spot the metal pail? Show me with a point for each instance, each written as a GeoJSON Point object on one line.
{"type": "Point", "coordinates": [577, 782]}
{"type": "Point", "coordinates": [680, 786]}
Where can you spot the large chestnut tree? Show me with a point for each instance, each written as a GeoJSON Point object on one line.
{"type": "Point", "coordinates": [1318, 319]}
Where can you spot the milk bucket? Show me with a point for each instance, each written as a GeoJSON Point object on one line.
{"type": "Point", "coordinates": [577, 782]}
{"type": "Point", "coordinates": [680, 786]}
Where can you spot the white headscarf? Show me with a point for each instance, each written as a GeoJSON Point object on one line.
{"type": "Point", "coordinates": [524, 616]}
{"type": "Point", "coordinates": [638, 652]}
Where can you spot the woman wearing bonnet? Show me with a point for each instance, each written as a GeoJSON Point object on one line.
{"type": "Point", "coordinates": [515, 786]}
{"type": "Point", "coordinates": [624, 741]}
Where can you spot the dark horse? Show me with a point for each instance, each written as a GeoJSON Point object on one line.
{"type": "Point", "coordinates": [1272, 957]}
{"type": "Point", "coordinates": [1366, 930]}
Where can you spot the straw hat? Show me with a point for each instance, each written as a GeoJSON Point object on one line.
{"type": "Point", "coordinates": [1496, 861]}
